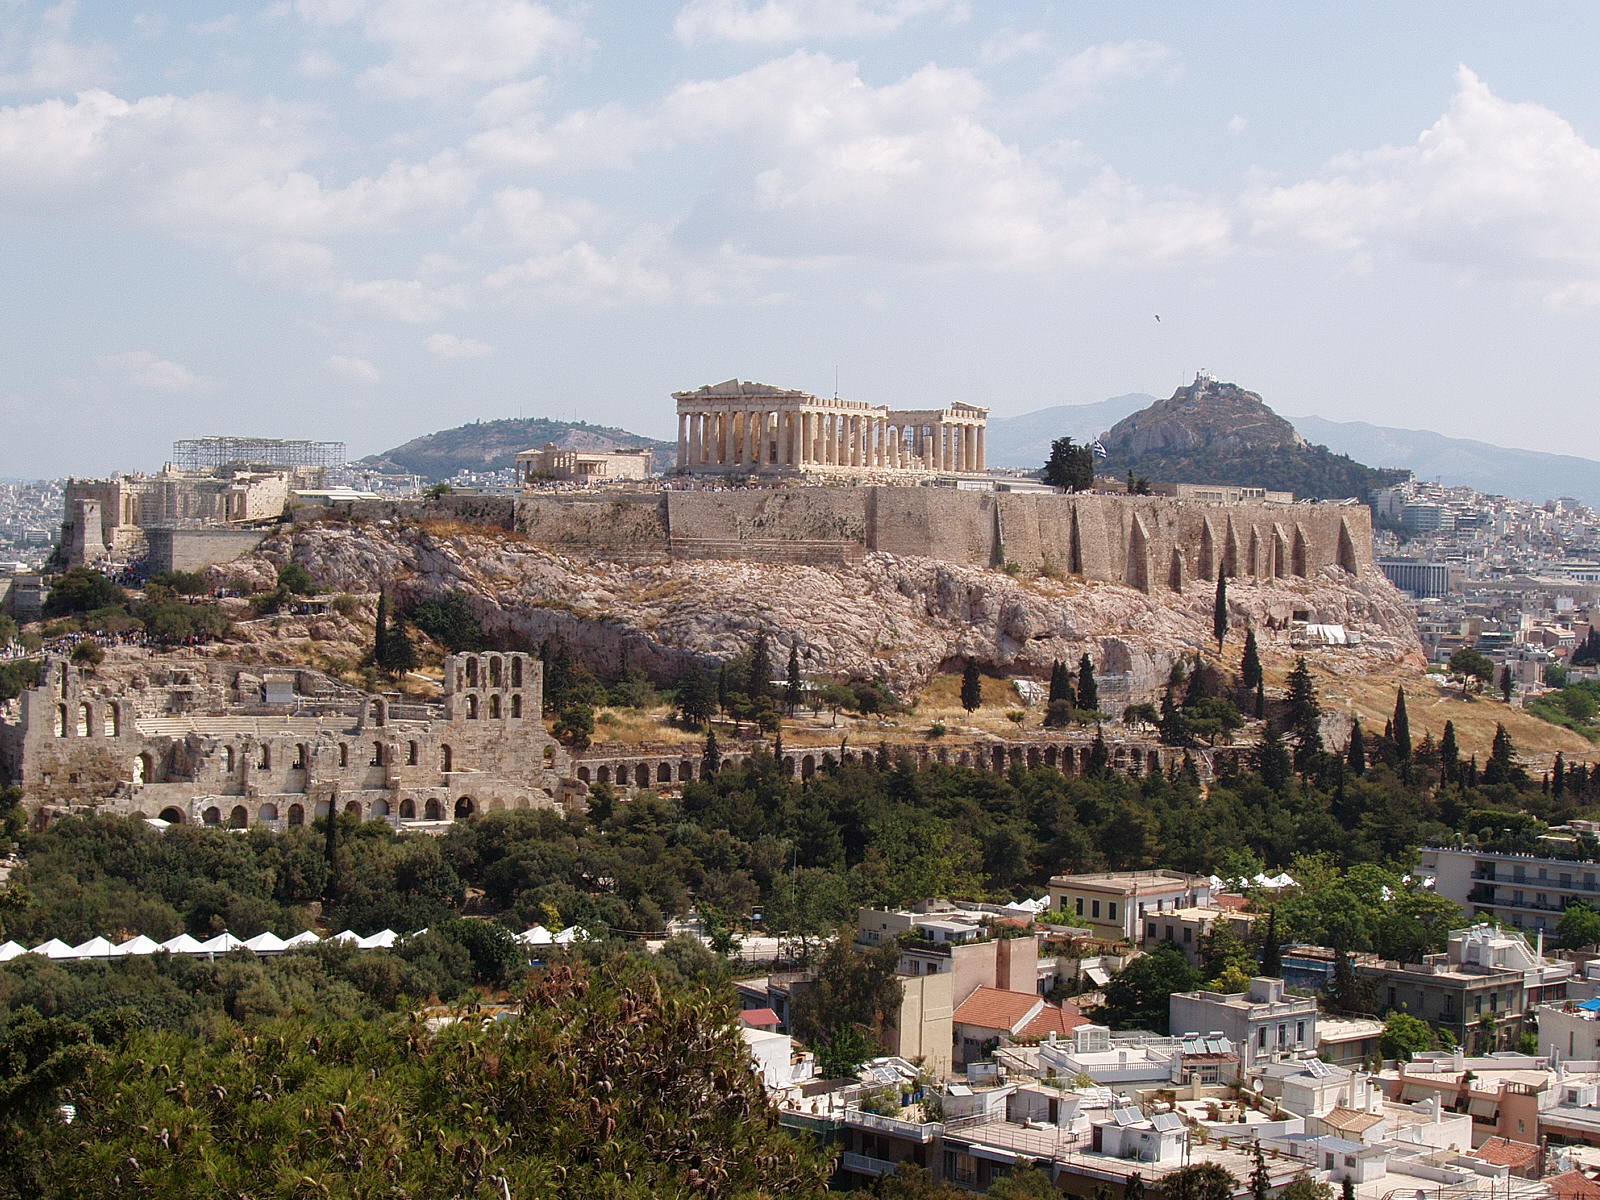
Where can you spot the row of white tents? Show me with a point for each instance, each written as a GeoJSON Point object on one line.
{"type": "Point", "coordinates": [262, 944]}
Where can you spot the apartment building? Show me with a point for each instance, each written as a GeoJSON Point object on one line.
{"type": "Point", "coordinates": [1524, 890]}
{"type": "Point", "coordinates": [1115, 904]}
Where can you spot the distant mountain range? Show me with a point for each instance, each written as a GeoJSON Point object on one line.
{"type": "Point", "coordinates": [491, 445]}
{"type": "Point", "coordinates": [1024, 441]}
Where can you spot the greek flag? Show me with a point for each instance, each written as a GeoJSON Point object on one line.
{"type": "Point", "coordinates": [1099, 449]}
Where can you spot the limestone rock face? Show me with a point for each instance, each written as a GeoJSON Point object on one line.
{"type": "Point", "coordinates": [897, 619]}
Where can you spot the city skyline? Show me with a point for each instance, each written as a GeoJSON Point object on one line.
{"type": "Point", "coordinates": [361, 221]}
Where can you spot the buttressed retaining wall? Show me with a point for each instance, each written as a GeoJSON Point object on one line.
{"type": "Point", "coordinates": [1152, 543]}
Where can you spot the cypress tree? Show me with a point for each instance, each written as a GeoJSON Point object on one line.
{"type": "Point", "coordinates": [759, 681]}
{"type": "Point", "coordinates": [1088, 691]}
{"type": "Point", "coordinates": [1272, 760]}
{"type": "Point", "coordinates": [1355, 752]}
{"type": "Point", "coordinates": [1174, 730]}
{"type": "Point", "coordinates": [1305, 714]}
{"type": "Point", "coordinates": [1271, 955]}
{"type": "Point", "coordinates": [1060, 683]}
{"type": "Point", "coordinates": [1261, 700]}
{"type": "Point", "coordinates": [724, 692]}
{"type": "Point", "coordinates": [1449, 755]}
{"type": "Point", "coordinates": [1402, 734]}
{"type": "Point", "coordinates": [794, 691]}
{"type": "Point", "coordinates": [1099, 756]}
{"type": "Point", "coordinates": [1502, 765]}
{"type": "Point", "coordinates": [330, 847]}
{"type": "Point", "coordinates": [1250, 673]}
{"type": "Point", "coordinates": [1260, 1180]}
{"type": "Point", "coordinates": [1558, 780]}
{"type": "Point", "coordinates": [380, 635]}
{"type": "Point", "coordinates": [1219, 611]}
{"type": "Point", "coordinates": [1506, 683]}
{"type": "Point", "coordinates": [1133, 1189]}
{"type": "Point", "coordinates": [711, 761]}
{"type": "Point", "coordinates": [971, 686]}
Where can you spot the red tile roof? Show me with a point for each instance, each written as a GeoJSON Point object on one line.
{"type": "Point", "coordinates": [1504, 1152]}
{"type": "Point", "coordinates": [995, 1008]}
{"type": "Point", "coordinates": [1052, 1020]}
{"type": "Point", "coordinates": [1573, 1185]}
{"type": "Point", "coordinates": [756, 1018]}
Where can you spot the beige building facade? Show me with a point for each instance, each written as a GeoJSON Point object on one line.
{"type": "Point", "coordinates": [745, 428]}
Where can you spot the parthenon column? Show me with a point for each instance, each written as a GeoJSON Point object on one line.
{"type": "Point", "coordinates": [683, 438]}
{"type": "Point", "coordinates": [982, 460]}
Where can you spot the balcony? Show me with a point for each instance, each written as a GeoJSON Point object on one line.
{"type": "Point", "coordinates": [865, 1164]}
{"type": "Point", "coordinates": [892, 1126]}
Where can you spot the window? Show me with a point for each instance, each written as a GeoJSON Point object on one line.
{"type": "Point", "coordinates": [1095, 909]}
{"type": "Point", "coordinates": [1150, 930]}
{"type": "Point", "coordinates": [1080, 906]}
{"type": "Point", "coordinates": [1188, 935]}
{"type": "Point", "coordinates": [1111, 910]}
{"type": "Point", "coordinates": [1299, 1033]}
{"type": "Point", "coordinates": [1261, 1043]}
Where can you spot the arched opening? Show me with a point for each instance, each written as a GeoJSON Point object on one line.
{"type": "Point", "coordinates": [379, 716]}
{"type": "Point", "coordinates": [516, 707]}
{"type": "Point", "coordinates": [549, 757]}
{"type": "Point", "coordinates": [266, 758]}
{"type": "Point", "coordinates": [523, 802]}
{"type": "Point", "coordinates": [212, 816]}
{"type": "Point", "coordinates": [302, 756]}
{"type": "Point", "coordinates": [494, 671]}
{"type": "Point", "coordinates": [227, 760]}
{"type": "Point", "coordinates": [472, 708]}
{"type": "Point", "coordinates": [472, 671]}
{"type": "Point", "coordinates": [353, 809]}
{"type": "Point", "coordinates": [583, 774]}
{"type": "Point", "coordinates": [494, 707]}
{"type": "Point", "coordinates": [411, 754]}
{"type": "Point", "coordinates": [112, 725]}
{"type": "Point", "coordinates": [85, 720]}
{"type": "Point", "coordinates": [144, 769]}
{"type": "Point", "coordinates": [465, 807]}
{"type": "Point", "coordinates": [641, 775]}
{"type": "Point", "coordinates": [344, 754]}
{"type": "Point", "coordinates": [408, 810]}
{"type": "Point", "coordinates": [172, 816]}
{"type": "Point", "coordinates": [61, 720]}
{"type": "Point", "coordinates": [685, 771]}
{"type": "Point", "coordinates": [603, 775]}
{"type": "Point", "coordinates": [380, 808]}
{"type": "Point", "coordinates": [496, 805]}
{"type": "Point", "coordinates": [446, 759]}
{"type": "Point", "coordinates": [267, 812]}
{"type": "Point", "coordinates": [239, 818]}
{"type": "Point", "coordinates": [516, 671]}
{"type": "Point", "coordinates": [377, 755]}
{"type": "Point", "coordinates": [297, 814]}
{"type": "Point", "coordinates": [664, 773]}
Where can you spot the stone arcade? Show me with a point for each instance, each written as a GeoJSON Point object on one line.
{"type": "Point", "coordinates": [184, 747]}
{"type": "Point", "coordinates": [743, 428]}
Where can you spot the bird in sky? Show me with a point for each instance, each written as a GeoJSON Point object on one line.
{"type": "Point", "coordinates": [1158, 318]}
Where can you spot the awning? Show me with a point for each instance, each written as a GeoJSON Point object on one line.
{"type": "Point", "coordinates": [1483, 1108]}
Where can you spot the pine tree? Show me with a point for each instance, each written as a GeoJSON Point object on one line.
{"type": "Point", "coordinates": [1174, 730]}
{"type": "Point", "coordinates": [1355, 752]}
{"type": "Point", "coordinates": [794, 691]}
{"type": "Point", "coordinates": [1219, 611]}
{"type": "Point", "coordinates": [1272, 760]}
{"type": "Point", "coordinates": [1305, 715]}
{"type": "Point", "coordinates": [1449, 755]}
{"type": "Point", "coordinates": [399, 652]}
{"type": "Point", "coordinates": [1088, 691]}
{"type": "Point", "coordinates": [1250, 673]}
{"type": "Point", "coordinates": [971, 686]}
{"type": "Point", "coordinates": [1502, 765]}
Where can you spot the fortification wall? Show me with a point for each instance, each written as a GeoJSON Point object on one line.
{"type": "Point", "coordinates": [499, 511]}
{"type": "Point", "coordinates": [1153, 543]}
{"type": "Point", "coordinates": [192, 549]}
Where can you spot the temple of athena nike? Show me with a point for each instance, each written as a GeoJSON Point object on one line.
{"type": "Point", "coordinates": [743, 428]}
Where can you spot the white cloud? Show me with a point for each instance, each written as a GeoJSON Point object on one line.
{"type": "Point", "coordinates": [1008, 45]}
{"type": "Point", "coordinates": [529, 219]}
{"type": "Point", "coordinates": [51, 61]}
{"type": "Point", "coordinates": [205, 164]}
{"type": "Point", "coordinates": [1084, 75]}
{"type": "Point", "coordinates": [448, 345]}
{"type": "Point", "coordinates": [789, 21]}
{"type": "Point", "coordinates": [147, 372]}
{"type": "Point", "coordinates": [1498, 188]}
{"type": "Point", "coordinates": [582, 275]}
{"type": "Point", "coordinates": [408, 300]}
{"type": "Point", "coordinates": [351, 367]}
{"type": "Point", "coordinates": [1237, 124]}
{"type": "Point", "coordinates": [439, 47]}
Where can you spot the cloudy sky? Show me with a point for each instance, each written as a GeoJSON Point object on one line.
{"type": "Point", "coordinates": [369, 219]}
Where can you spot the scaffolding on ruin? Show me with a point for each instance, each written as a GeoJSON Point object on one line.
{"type": "Point", "coordinates": [199, 454]}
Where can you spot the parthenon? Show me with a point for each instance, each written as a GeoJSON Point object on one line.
{"type": "Point", "coordinates": [738, 427]}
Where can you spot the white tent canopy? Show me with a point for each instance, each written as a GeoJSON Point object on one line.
{"type": "Point", "coordinates": [95, 947]}
{"type": "Point", "coordinates": [139, 945]}
{"type": "Point", "coordinates": [265, 943]}
{"type": "Point", "coordinates": [223, 943]}
{"type": "Point", "coordinates": [537, 936]}
{"type": "Point", "coordinates": [349, 936]}
{"type": "Point", "coordinates": [54, 948]}
{"type": "Point", "coordinates": [10, 950]}
{"type": "Point", "coordinates": [182, 944]}
{"type": "Point", "coordinates": [382, 940]}
{"type": "Point", "coordinates": [302, 939]}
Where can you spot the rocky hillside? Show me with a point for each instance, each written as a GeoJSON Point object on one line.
{"type": "Point", "coordinates": [901, 620]}
{"type": "Point", "coordinates": [491, 445]}
{"type": "Point", "coordinates": [1212, 432]}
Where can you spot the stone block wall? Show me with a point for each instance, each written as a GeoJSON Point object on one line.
{"type": "Point", "coordinates": [192, 549]}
